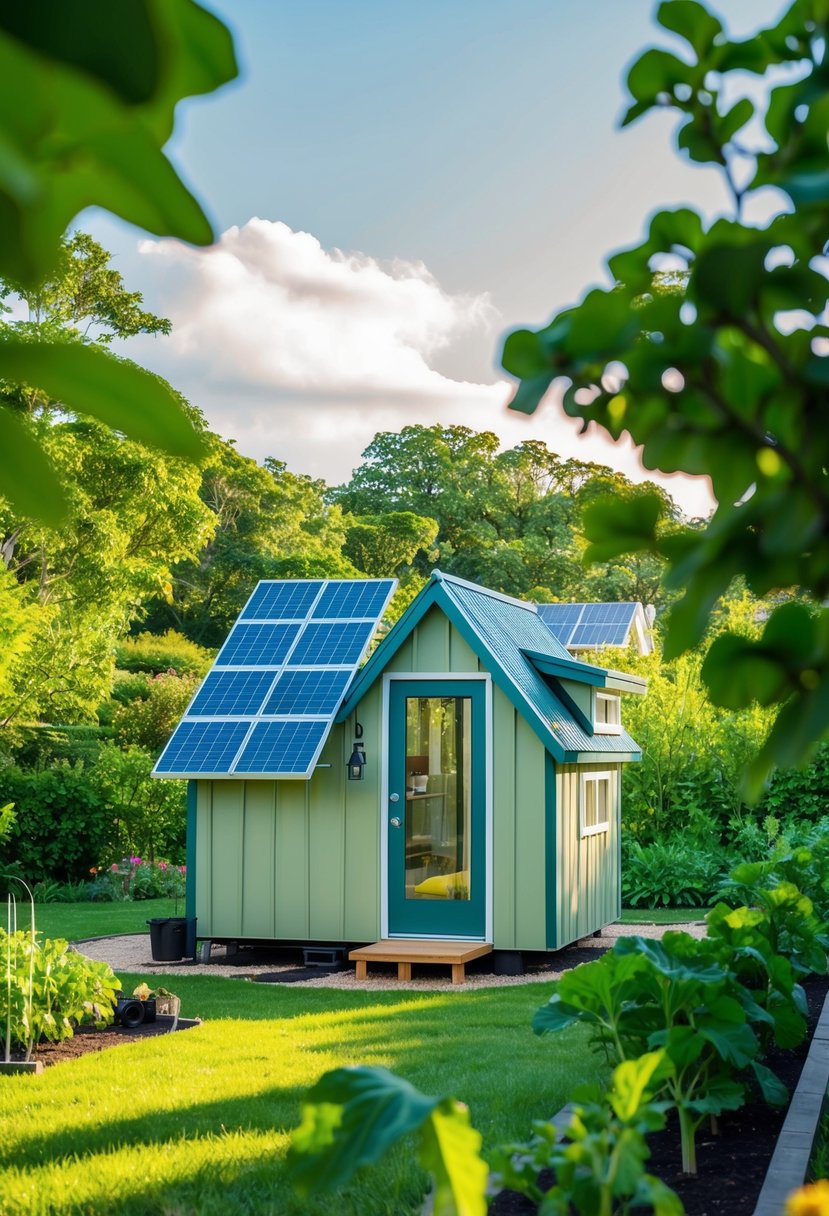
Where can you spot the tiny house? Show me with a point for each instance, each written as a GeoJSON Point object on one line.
{"type": "Point", "coordinates": [463, 784]}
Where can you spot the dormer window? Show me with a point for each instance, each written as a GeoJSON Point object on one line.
{"type": "Point", "coordinates": [607, 714]}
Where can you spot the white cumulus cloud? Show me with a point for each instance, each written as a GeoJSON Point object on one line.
{"type": "Point", "coordinates": [271, 309]}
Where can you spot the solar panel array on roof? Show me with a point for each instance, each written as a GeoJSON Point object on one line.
{"type": "Point", "coordinates": [267, 704]}
{"type": "Point", "coordinates": [577, 625]}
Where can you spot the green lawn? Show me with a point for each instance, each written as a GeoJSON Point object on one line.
{"type": "Point", "coordinates": [76, 921]}
{"type": "Point", "coordinates": [661, 916]}
{"type": "Point", "coordinates": [198, 1122]}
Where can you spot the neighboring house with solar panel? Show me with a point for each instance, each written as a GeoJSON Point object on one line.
{"type": "Point", "coordinates": [457, 793]}
{"type": "Point", "coordinates": [593, 626]}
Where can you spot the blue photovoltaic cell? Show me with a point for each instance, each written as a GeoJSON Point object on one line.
{"type": "Point", "coordinates": [308, 692]}
{"type": "Point", "coordinates": [203, 747]}
{"type": "Point", "coordinates": [281, 600]}
{"type": "Point", "coordinates": [352, 599]}
{"type": "Point", "coordinates": [281, 747]}
{"type": "Point", "coordinates": [603, 614]}
{"type": "Point", "coordinates": [228, 693]}
{"type": "Point", "coordinates": [330, 644]}
{"type": "Point", "coordinates": [257, 646]}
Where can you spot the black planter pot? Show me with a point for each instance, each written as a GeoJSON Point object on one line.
{"type": "Point", "coordinates": [131, 1011]}
{"type": "Point", "coordinates": [168, 938]}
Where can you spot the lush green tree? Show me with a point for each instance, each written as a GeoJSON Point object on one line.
{"type": "Point", "coordinates": [510, 519]}
{"type": "Point", "coordinates": [87, 100]}
{"type": "Point", "coordinates": [131, 511]}
{"type": "Point", "coordinates": [726, 376]}
{"type": "Point", "coordinates": [268, 523]}
{"type": "Point", "coordinates": [382, 545]}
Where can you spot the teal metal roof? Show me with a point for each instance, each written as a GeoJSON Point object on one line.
{"type": "Point", "coordinates": [513, 643]}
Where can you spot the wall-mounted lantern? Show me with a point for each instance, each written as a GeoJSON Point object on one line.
{"type": "Point", "coordinates": [357, 763]}
{"type": "Point", "coordinates": [357, 760]}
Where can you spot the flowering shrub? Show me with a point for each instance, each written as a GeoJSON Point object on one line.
{"type": "Point", "coordinates": [134, 878]}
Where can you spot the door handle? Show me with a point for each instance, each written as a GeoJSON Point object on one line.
{"type": "Point", "coordinates": [395, 821]}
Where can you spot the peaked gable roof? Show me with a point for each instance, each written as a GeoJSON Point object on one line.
{"type": "Point", "coordinates": [513, 643]}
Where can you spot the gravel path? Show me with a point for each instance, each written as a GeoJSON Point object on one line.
{"type": "Point", "coordinates": [132, 954]}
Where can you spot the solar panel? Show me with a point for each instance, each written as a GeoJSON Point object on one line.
{"type": "Point", "coordinates": [282, 747]}
{"type": "Point", "coordinates": [287, 601]}
{"type": "Point", "coordinates": [308, 692]}
{"type": "Point", "coordinates": [257, 645]}
{"type": "Point", "coordinates": [203, 747]}
{"type": "Point", "coordinates": [324, 642]}
{"type": "Point", "coordinates": [267, 705]}
{"type": "Point", "coordinates": [230, 693]}
{"type": "Point", "coordinates": [593, 625]}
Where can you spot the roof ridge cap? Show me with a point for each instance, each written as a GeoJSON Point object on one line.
{"type": "Point", "coordinates": [454, 580]}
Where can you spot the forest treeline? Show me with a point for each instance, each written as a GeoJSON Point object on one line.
{"type": "Point", "coordinates": [109, 622]}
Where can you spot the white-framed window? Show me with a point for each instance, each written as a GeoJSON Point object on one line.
{"type": "Point", "coordinates": [595, 804]}
{"type": "Point", "coordinates": [607, 714]}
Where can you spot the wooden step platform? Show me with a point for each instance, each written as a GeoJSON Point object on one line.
{"type": "Point", "coordinates": [405, 951]}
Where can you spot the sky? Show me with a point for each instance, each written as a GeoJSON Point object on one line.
{"type": "Point", "coordinates": [397, 184]}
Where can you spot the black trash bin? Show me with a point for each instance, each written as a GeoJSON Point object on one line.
{"type": "Point", "coordinates": [168, 938]}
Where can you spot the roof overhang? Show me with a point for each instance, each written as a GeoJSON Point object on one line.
{"type": "Point", "coordinates": [586, 673]}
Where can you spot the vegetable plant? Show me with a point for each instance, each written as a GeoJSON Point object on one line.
{"type": "Point", "coordinates": [49, 989]}
{"type": "Point", "coordinates": [599, 1164]}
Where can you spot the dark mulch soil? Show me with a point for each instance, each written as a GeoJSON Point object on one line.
{"type": "Point", "coordinates": [732, 1165]}
{"type": "Point", "coordinates": [87, 1038]}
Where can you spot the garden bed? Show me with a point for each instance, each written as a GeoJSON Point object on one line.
{"type": "Point", "coordinates": [90, 1039]}
{"type": "Point", "coordinates": [732, 1165]}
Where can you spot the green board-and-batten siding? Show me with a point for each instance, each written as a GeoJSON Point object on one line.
{"type": "Point", "coordinates": [300, 860]}
{"type": "Point", "coordinates": [587, 868]}
{"type": "Point", "coordinates": [293, 860]}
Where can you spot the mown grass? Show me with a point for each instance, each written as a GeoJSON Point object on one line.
{"type": "Point", "coordinates": [76, 921]}
{"type": "Point", "coordinates": [198, 1122]}
{"type": "Point", "coordinates": [661, 916]}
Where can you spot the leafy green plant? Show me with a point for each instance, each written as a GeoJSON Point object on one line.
{"type": "Point", "coordinates": [676, 874]}
{"type": "Point", "coordinates": [352, 1116]}
{"type": "Point", "coordinates": [603, 995]}
{"type": "Point", "coordinates": [770, 995]}
{"type": "Point", "coordinates": [49, 989]}
{"type": "Point", "coordinates": [599, 1164]}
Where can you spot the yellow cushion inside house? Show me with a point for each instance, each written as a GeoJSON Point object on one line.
{"type": "Point", "coordinates": [439, 884]}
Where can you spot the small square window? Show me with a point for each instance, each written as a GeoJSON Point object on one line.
{"type": "Point", "coordinates": [596, 803]}
{"type": "Point", "coordinates": [607, 714]}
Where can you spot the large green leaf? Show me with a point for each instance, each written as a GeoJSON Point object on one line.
{"type": "Point", "coordinates": [634, 1081]}
{"type": "Point", "coordinates": [99, 109]}
{"type": "Point", "coordinates": [450, 1150]}
{"type": "Point", "coordinates": [27, 479]}
{"type": "Point", "coordinates": [691, 21]}
{"type": "Point", "coordinates": [87, 380]}
{"type": "Point", "coordinates": [349, 1119]}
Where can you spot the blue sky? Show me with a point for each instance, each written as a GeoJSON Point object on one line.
{"type": "Point", "coordinates": [457, 170]}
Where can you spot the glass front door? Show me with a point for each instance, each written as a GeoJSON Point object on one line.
{"type": "Point", "coordinates": [436, 786]}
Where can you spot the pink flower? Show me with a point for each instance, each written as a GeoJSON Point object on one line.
{"type": "Point", "coordinates": [135, 861]}
{"type": "Point", "coordinates": [162, 865]}
{"type": "Point", "coordinates": [114, 867]}
{"type": "Point", "coordinates": [182, 869]}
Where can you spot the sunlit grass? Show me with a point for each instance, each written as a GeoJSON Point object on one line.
{"type": "Point", "coordinates": [661, 916]}
{"type": "Point", "coordinates": [198, 1122]}
{"type": "Point", "coordinates": [76, 921]}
